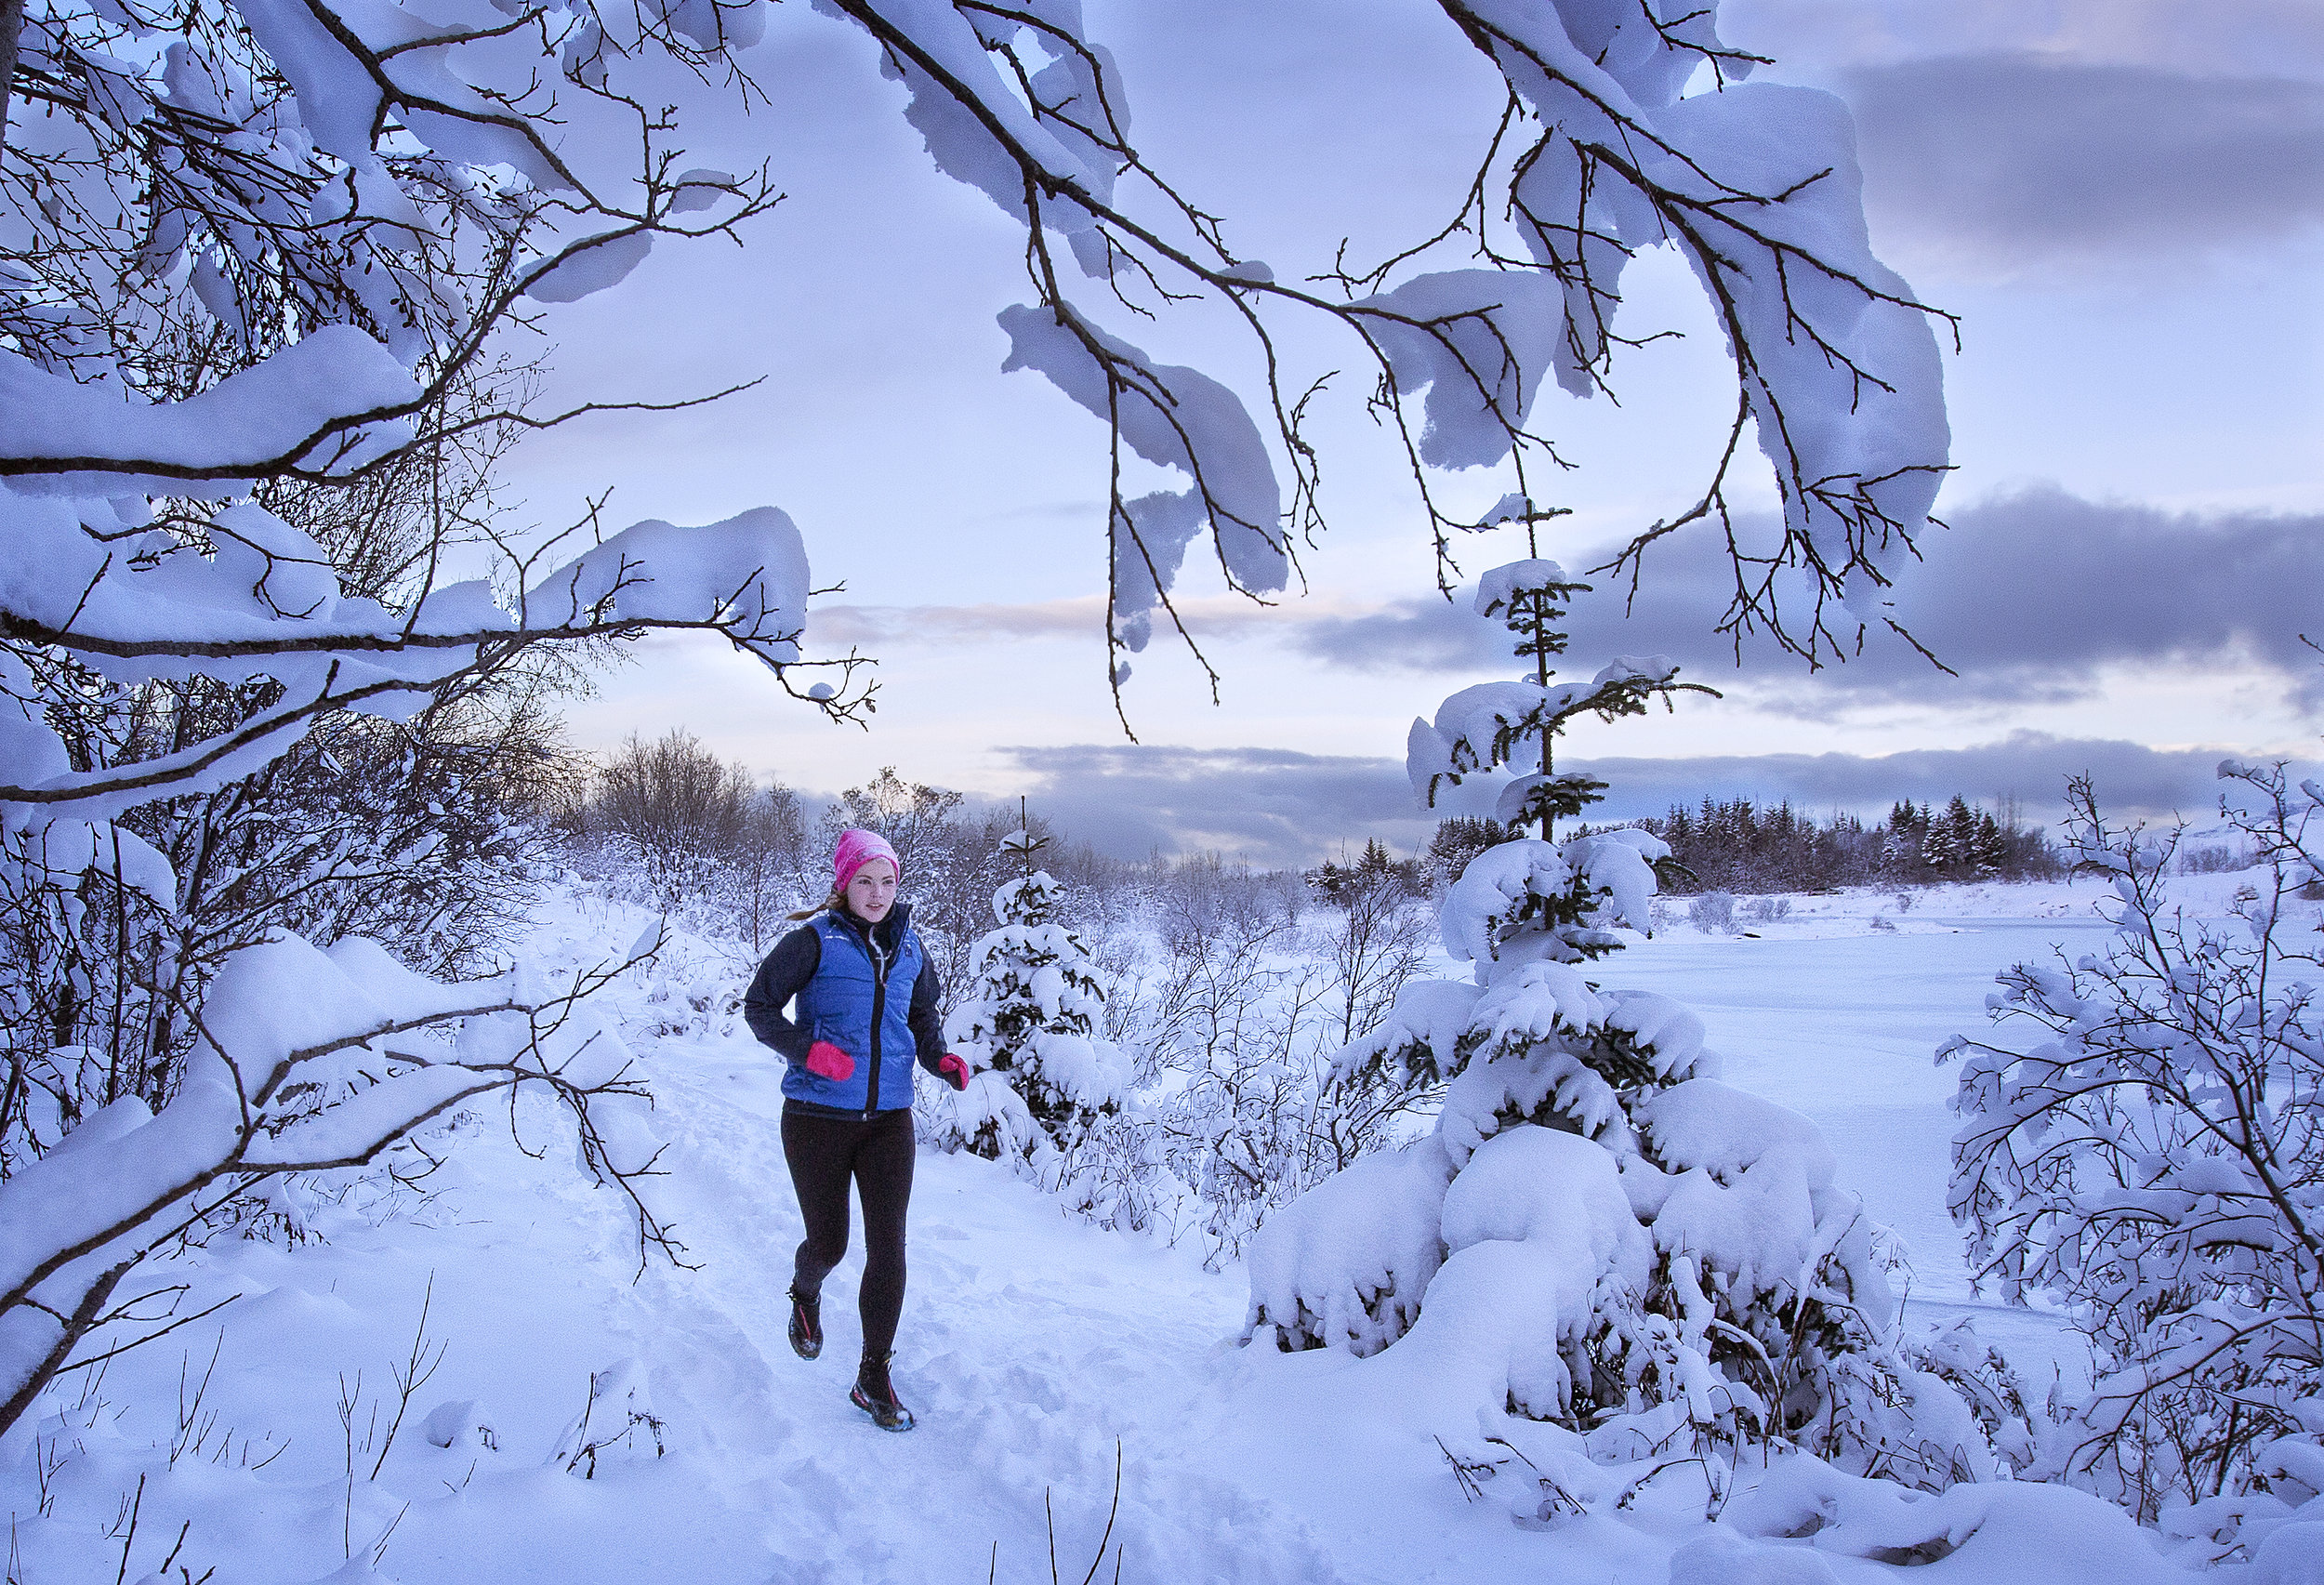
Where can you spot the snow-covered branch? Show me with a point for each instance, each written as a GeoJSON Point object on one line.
{"type": "Point", "coordinates": [306, 1061]}
{"type": "Point", "coordinates": [267, 244]}
{"type": "Point", "coordinates": [1836, 366]}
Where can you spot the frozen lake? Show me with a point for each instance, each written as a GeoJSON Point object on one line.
{"type": "Point", "coordinates": [1842, 1028]}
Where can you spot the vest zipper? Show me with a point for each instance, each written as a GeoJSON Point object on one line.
{"type": "Point", "coordinates": [879, 1014]}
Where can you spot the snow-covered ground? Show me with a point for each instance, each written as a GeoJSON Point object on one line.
{"type": "Point", "coordinates": [1032, 1349]}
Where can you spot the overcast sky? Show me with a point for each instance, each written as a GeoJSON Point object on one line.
{"type": "Point", "coordinates": [2122, 199]}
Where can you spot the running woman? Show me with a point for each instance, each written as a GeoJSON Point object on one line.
{"type": "Point", "coordinates": [866, 995]}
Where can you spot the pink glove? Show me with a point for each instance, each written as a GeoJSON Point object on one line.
{"type": "Point", "coordinates": [953, 1071]}
{"type": "Point", "coordinates": [829, 1062]}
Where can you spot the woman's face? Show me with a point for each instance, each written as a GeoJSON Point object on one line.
{"type": "Point", "coordinates": [872, 892]}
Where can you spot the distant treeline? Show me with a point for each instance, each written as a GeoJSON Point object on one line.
{"type": "Point", "coordinates": [1740, 846]}
{"type": "Point", "coordinates": [1743, 846]}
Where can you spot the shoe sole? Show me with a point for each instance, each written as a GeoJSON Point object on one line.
{"type": "Point", "coordinates": [861, 1402]}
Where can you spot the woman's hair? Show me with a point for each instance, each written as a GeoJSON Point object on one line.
{"type": "Point", "coordinates": [833, 904]}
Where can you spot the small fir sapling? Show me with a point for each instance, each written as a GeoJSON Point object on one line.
{"type": "Point", "coordinates": [1652, 1253]}
{"type": "Point", "coordinates": [1030, 1025]}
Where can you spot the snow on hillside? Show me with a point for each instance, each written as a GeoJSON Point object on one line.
{"type": "Point", "coordinates": [1033, 1348]}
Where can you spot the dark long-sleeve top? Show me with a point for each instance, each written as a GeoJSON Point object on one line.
{"type": "Point", "coordinates": [794, 962]}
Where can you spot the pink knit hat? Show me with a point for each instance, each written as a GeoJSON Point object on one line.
{"type": "Point", "coordinates": [857, 849]}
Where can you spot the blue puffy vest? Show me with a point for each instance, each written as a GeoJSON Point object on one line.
{"type": "Point", "coordinates": [863, 1007]}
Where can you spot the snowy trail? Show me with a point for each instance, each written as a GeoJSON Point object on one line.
{"type": "Point", "coordinates": [1031, 1344]}
{"type": "Point", "coordinates": [1024, 1355]}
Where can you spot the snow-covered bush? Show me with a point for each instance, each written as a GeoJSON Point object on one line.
{"type": "Point", "coordinates": [671, 826]}
{"type": "Point", "coordinates": [1598, 1232]}
{"type": "Point", "coordinates": [1712, 912]}
{"type": "Point", "coordinates": [1040, 1071]}
{"type": "Point", "coordinates": [1235, 1028]}
{"type": "Point", "coordinates": [419, 835]}
{"type": "Point", "coordinates": [1238, 1070]}
{"type": "Point", "coordinates": [2154, 1165]}
{"type": "Point", "coordinates": [1377, 941]}
{"type": "Point", "coordinates": [307, 1061]}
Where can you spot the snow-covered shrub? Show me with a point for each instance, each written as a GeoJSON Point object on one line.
{"type": "Point", "coordinates": [423, 835]}
{"type": "Point", "coordinates": [1113, 1175]}
{"type": "Point", "coordinates": [1040, 1072]}
{"type": "Point", "coordinates": [1598, 1232]}
{"type": "Point", "coordinates": [1766, 910]}
{"type": "Point", "coordinates": [1239, 1072]}
{"type": "Point", "coordinates": [1377, 941]}
{"type": "Point", "coordinates": [1712, 912]}
{"type": "Point", "coordinates": [667, 827]}
{"type": "Point", "coordinates": [307, 1062]}
{"type": "Point", "coordinates": [1236, 1029]}
{"type": "Point", "coordinates": [2154, 1165]}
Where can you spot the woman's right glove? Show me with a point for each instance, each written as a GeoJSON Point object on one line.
{"type": "Point", "coordinates": [953, 1071]}
{"type": "Point", "coordinates": [827, 1061]}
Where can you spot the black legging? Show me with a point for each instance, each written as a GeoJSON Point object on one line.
{"type": "Point", "coordinates": [823, 1154]}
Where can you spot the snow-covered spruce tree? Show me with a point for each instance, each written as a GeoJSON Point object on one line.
{"type": "Point", "coordinates": [2154, 1165]}
{"type": "Point", "coordinates": [1623, 1244]}
{"type": "Point", "coordinates": [1041, 1072]}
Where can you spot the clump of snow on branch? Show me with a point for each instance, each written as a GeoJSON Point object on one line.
{"type": "Point", "coordinates": [1176, 417]}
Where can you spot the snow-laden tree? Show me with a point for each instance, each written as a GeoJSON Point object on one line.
{"type": "Point", "coordinates": [1597, 1232]}
{"type": "Point", "coordinates": [1041, 1073]}
{"type": "Point", "coordinates": [2154, 1164]}
{"type": "Point", "coordinates": [253, 262]}
{"type": "Point", "coordinates": [307, 1061]}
